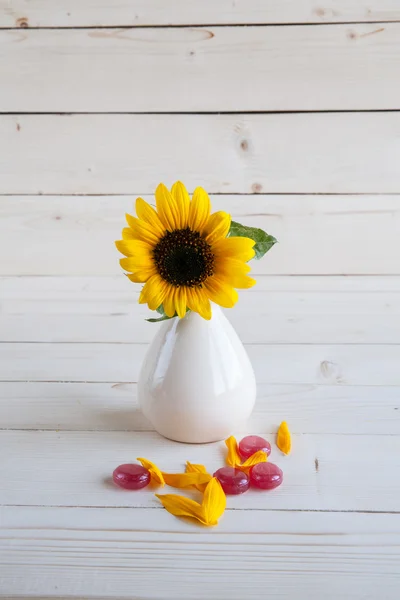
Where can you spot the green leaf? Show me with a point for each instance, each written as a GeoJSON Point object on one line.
{"type": "Point", "coordinates": [264, 242]}
{"type": "Point", "coordinates": [163, 318]}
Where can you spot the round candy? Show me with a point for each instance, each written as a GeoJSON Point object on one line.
{"type": "Point", "coordinates": [232, 480]}
{"type": "Point", "coordinates": [266, 476]}
{"type": "Point", "coordinates": [131, 477]}
{"type": "Point", "coordinates": [251, 444]}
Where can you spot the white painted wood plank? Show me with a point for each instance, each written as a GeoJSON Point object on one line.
{"type": "Point", "coordinates": [101, 553]}
{"type": "Point", "coordinates": [324, 472]}
{"type": "Point", "coordinates": [75, 13]}
{"type": "Point", "coordinates": [309, 363]}
{"type": "Point", "coordinates": [114, 289]}
{"type": "Point", "coordinates": [106, 309]}
{"type": "Point", "coordinates": [113, 407]}
{"type": "Point", "coordinates": [293, 153]}
{"type": "Point", "coordinates": [347, 67]}
{"type": "Point", "coordinates": [74, 235]}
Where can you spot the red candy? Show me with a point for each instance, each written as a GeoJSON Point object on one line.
{"type": "Point", "coordinates": [251, 444]}
{"type": "Point", "coordinates": [232, 480]}
{"type": "Point", "coordinates": [266, 476]}
{"type": "Point", "coordinates": [131, 477]}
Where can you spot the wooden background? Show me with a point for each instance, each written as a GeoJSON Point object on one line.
{"type": "Point", "coordinates": [287, 112]}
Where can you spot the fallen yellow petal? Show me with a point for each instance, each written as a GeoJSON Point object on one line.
{"type": "Point", "coordinates": [233, 457]}
{"type": "Point", "coordinates": [258, 457]}
{"type": "Point", "coordinates": [208, 513]}
{"type": "Point", "coordinates": [190, 468]}
{"type": "Point", "coordinates": [183, 480]}
{"type": "Point", "coordinates": [180, 506]}
{"type": "Point", "coordinates": [214, 502]}
{"type": "Point", "coordinates": [283, 438]}
{"type": "Point", "coordinates": [156, 474]}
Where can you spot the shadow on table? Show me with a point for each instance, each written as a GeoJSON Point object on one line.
{"type": "Point", "coordinates": [124, 420]}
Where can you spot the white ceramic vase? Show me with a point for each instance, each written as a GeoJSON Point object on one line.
{"type": "Point", "coordinates": [197, 384]}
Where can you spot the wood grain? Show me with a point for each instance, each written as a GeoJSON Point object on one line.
{"type": "Point", "coordinates": [70, 235]}
{"type": "Point", "coordinates": [332, 67]}
{"type": "Point", "coordinates": [309, 408]}
{"type": "Point", "coordinates": [74, 468]}
{"type": "Point", "coordinates": [285, 153]}
{"type": "Point", "coordinates": [41, 13]}
{"type": "Point", "coordinates": [290, 310]}
{"type": "Point", "coordinates": [309, 363]}
{"type": "Point", "coordinates": [99, 553]}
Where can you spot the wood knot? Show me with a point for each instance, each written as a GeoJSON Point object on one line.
{"type": "Point", "coordinates": [244, 144]}
{"type": "Point", "coordinates": [256, 188]}
{"type": "Point", "coordinates": [316, 461]}
{"type": "Point", "coordinates": [18, 126]}
{"type": "Point", "coordinates": [352, 35]}
{"type": "Point", "coordinates": [22, 22]}
{"type": "Point", "coordinates": [320, 12]}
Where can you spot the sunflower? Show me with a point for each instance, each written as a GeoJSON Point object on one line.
{"type": "Point", "coordinates": [182, 253]}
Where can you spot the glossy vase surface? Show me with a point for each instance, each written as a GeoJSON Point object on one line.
{"type": "Point", "coordinates": [197, 384]}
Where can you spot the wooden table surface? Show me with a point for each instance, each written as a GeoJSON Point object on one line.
{"type": "Point", "coordinates": [288, 114]}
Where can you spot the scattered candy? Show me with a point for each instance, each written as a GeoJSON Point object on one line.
{"type": "Point", "coordinates": [283, 438]}
{"type": "Point", "coordinates": [266, 476]}
{"type": "Point", "coordinates": [233, 458]}
{"type": "Point", "coordinates": [248, 466]}
{"type": "Point", "coordinates": [251, 444]}
{"type": "Point", "coordinates": [131, 477]}
{"type": "Point", "coordinates": [233, 480]}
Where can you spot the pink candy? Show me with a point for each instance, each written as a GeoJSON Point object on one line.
{"type": "Point", "coordinates": [232, 480]}
{"type": "Point", "coordinates": [131, 477]}
{"type": "Point", "coordinates": [251, 444]}
{"type": "Point", "coordinates": [266, 476]}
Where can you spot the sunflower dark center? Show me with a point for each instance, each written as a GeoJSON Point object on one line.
{"type": "Point", "coordinates": [183, 257]}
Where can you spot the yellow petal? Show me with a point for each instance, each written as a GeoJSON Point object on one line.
{"type": "Point", "coordinates": [142, 230]}
{"type": "Point", "coordinates": [214, 502]}
{"type": "Point", "coordinates": [233, 457]}
{"type": "Point", "coordinates": [153, 292]}
{"type": "Point", "coordinates": [156, 474]}
{"type": "Point", "coordinates": [235, 247]}
{"type": "Point", "coordinates": [146, 213]}
{"type": "Point", "coordinates": [181, 197]}
{"type": "Point", "coordinates": [180, 302]}
{"type": "Point", "coordinates": [183, 480]}
{"type": "Point", "coordinates": [283, 438]}
{"type": "Point", "coordinates": [199, 210]}
{"type": "Point", "coordinates": [258, 457]}
{"type": "Point", "coordinates": [134, 248]}
{"type": "Point", "coordinates": [217, 227]}
{"type": "Point", "coordinates": [221, 292]}
{"type": "Point", "coordinates": [135, 263]}
{"type": "Point", "coordinates": [181, 506]}
{"type": "Point", "coordinates": [198, 302]}
{"type": "Point", "coordinates": [234, 272]}
{"type": "Point", "coordinates": [169, 301]}
{"type": "Point", "coordinates": [167, 208]}
{"type": "Point", "coordinates": [141, 275]}
{"type": "Point", "coordinates": [127, 234]}
{"type": "Point", "coordinates": [190, 468]}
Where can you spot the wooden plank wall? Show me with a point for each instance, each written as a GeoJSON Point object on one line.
{"type": "Point", "coordinates": [288, 113]}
